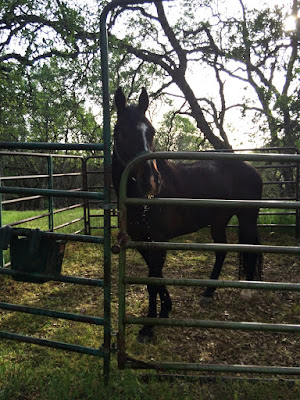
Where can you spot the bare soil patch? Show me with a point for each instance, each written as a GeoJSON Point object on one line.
{"type": "Point", "coordinates": [195, 345]}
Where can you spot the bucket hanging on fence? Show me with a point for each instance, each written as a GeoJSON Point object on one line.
{"type": "Point", "coordinates": [36, 254]}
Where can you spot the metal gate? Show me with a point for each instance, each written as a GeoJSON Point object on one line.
{"type": "Point", "coordinates": [126, 361]}
{"type": "Point", "coordinates": [125, 280]}
{"type": "Point", "coordinates": [105, 198]}
{"type": "Point", "coordinates": [94, 219]}
{"type": "Point", "coordinates": [10, 236]}
{"type": "Point", "coordinates": [275, 183]}
{"type": "Point", "coordinates": [46, 165]}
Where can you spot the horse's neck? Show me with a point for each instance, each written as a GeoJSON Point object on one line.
{"type": "Point", "coordinates": [117, 171]}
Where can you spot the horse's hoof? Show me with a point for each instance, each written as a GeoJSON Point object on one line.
{"type": "Point", "coordinates": [246, 294]}
{"type": "Point", "coordinates": [164, 314]}
{"type": "Point", "coordinates": [145, 336]}
{"type": "Point", "coordinates": [145, 339]}
{"type": "Point", "coordinates": [205, 300]}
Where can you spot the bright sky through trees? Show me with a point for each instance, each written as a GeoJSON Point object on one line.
{"type": "Point", "coordinates": [230, 66]}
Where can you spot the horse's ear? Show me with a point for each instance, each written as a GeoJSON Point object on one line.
{"type": "Point", "coordinates": [120, 100]}
{"type": "Point", "coordinates": [143, 100]}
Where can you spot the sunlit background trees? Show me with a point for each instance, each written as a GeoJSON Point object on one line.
{"type": "Point", "coordinates": [222, 74]}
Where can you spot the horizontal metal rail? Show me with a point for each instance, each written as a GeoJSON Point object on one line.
{"type": "Point", "coordinates": [197, 323]}
{"type": "Point", "coordinates": [54, 278]}
{"type": "Point", "coordinates": [279, 182]}
{"type": "Point", "coordinates": [53, 193]}
{"type": "Point", "coordinates": [79, 231]}
{"type": "Point", "coordinates": [62, 236]}
{"type": "Point", "coordinates": [255, 285]}
{"type": "Point", "coordinates": [271, 225]}
{"type": "Point", "coordinates": [52, 313]}
{"type": "Point", "coordinates": [20, 199]}
{"type": "Point", "coordinates": [163, 377]}
{"type": "Point", "coordinates": [277, 213]}
{"type": "Point", "coordinates": [51, 146]}
{"type": "Point", "coordinates": [271, 166]}
{"type": "Point", "coordinates": [249, 248]}
{"type": "Point", "coordinates": [40, 155]}
{"type": "Point", "coordinates": [11, 178]}
{"type": "Point", "coordinates": [209, 155]}
{"type": "Point", "coordinates": [73, 206]}
{"type": "Point", "coordinates": [23, 221]}
{"type": "Point", "coordinates": [176, 366]}
{"type": "Point", "coordinates": [74, 221]}
{"type": "Point", "coordinates": [50, 343]}
{"type": "Point", "coordinates": [213, 203]}
{"type": "Point", "coordinates": [291, 149]}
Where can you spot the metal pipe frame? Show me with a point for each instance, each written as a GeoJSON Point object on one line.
{"type": "Point", "coordinates": [104, 283]}
{"type": "Point", "coordinates": [127, 362]}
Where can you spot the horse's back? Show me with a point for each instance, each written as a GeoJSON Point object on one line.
{"type": "Point", "coordinates": [232, 179]}
{"type": "Point", "coordinates": [202, 180]}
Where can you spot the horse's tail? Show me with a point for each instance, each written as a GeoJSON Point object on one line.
{"type": "Point", "coordinates": [251, 262]}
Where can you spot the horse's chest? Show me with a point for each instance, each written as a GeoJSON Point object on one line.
{"type": "Point", "coordinates": [140, 224]}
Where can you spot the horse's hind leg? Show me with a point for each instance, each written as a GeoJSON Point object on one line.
{"type": "Point", "coordinates": [155, 261]}
{"type": "Point", "coordinates": [248, 234]}
{"type": "Point", "coordinates": [218, 233]}
{"type": "Point", "coordinates": [250, 263]}
{"type": "Point", "coordinates": [165, 302]}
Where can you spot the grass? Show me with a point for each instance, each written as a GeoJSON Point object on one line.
{"type": "Point", "coordinates": [83, 381]}
{"type": "Point", "coordinates": [42, 223]}
{"type": "Point", "coordinates": [9, 217]}
{"type": "Point", "coordinates": [29, 372]}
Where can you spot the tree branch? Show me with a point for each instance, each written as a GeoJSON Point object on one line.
{"type": "Point", "coordinates": [171, 36]}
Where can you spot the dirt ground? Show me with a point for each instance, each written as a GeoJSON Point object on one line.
{"type": "Point", "coordinates": [172, 344]}
{"type": "Point", "coordinates": [198, 345]}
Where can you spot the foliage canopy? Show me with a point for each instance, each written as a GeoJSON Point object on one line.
{"type": "Point", "coordinates": [224, 66]}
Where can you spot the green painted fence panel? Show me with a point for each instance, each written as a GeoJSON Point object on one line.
{"type": "Point", "coordinates": [126, 361]}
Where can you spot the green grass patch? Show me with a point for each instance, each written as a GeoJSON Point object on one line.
{"type": "Point", "coordinates": [9, 217]}
{"type": "Point", "coordinates": [29, 372]}
{"type": "Point", "coordinates": [83, 380]}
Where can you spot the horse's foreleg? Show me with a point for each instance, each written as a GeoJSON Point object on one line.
{"type": "Point", "coordinates": [165, 301]}
{"type": "Point", "coordinates": [145, 334]}
{"type": "Point", "coordinates": [155, 261]}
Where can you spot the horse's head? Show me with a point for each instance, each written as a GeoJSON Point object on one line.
{"type": "Point", "coordinates": [134, 135]}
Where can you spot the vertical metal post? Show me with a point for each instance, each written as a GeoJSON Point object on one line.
{"type": "Point", "coordinates": [297, 199]}
{"type": "Point", "coordinates": [122, 270]}
{"type": "Point", "coordinates": [122, 310]}
{"type": "Point", "coordinates": [86, 204]}
{"type": "Point", "coordinates": [50, 199]}
{"type": "Point", "coordinates": [107, 172]}
{"type": "Point", "coordinates": [107, 185]}
{"type": "Point", "coordinates": [1, 251]}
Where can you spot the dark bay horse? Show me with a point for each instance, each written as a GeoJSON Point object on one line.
{"type": "Point", "coordinates": [231, 179]}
